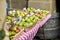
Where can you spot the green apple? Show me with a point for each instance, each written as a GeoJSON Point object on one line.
{"type": "Point", "coordinates": [9, 18]}
{"type": "Point", "coordinates": [40, 17]}
{"type": "Point", "coordinates": [31, 18]}
{"type": "Point", "coordinates": [25, 25]}
{"type": "Point", "coordinates": [47, 12]}
{"type": "Point", "coordinates": [22, 23]}
{"type": "Point", "coordinates": [13, 14]}
{"type": "Point", "coordinates": [32, 9]}
{"type": "Point", "coordinates": [18, 12]}
{"type": "Point", "coordinates": [17, 23]}
{"type": "Point", "coordinates": [23, 20]}
{"type": "Point", "coordinates": [28, 9]}
{"type": "Point", "coordinates": [13, 28]}
{"type": "Point", "coordinates": [31, 23]}
{"type": "Point", "coordinates": [34, 21]}
{"type": "Point", "coordinates": [22, 14]}
{"type": "Point", "coordinates": [12, 33]}
{"type": "Point", "coordinates": [28, 20]}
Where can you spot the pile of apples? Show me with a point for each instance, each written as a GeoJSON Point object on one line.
{"type": "Point", "coordinates": [13, 31]}
{"type": "Point", "coordinates": [23, 19]}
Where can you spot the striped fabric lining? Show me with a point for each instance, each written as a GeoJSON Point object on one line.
{"type": "Point", "coordinates": [32, 32]}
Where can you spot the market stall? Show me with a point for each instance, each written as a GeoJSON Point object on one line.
{"type": "Point", "coordinates": [24, 24]}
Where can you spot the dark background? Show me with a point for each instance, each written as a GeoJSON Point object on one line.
{"type": "Point", "coordinates": [58, 5]}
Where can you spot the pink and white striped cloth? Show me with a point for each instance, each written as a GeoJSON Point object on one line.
{"type": "Point", "coordinates": [32, 32]}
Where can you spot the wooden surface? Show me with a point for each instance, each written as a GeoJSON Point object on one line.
{"type": "Point", "coordinates": [17, 4]}
{"type": "Point", "coordinates": [43, 4]}
{"type": "Point", "coordinates": [2, 11]}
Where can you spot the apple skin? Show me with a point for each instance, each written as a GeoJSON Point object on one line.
{"type": "Point", "coordinates": [28, 20]}
{"type": "Point", "coordinates": [31, 18]}
{"type": "Point", "coordinates": [13, 14]}
{"type": "Point", "coordinates": [22, 24]}
{"type": "Point", "coordinates": [9, 18]}
{"type": "Point", "coordinates": [17, 29]}
{"type": "Point", "coordinates": [11, 33]}
{"type": "Point", "coordinates": [26, 25]}
{"type": "Point", "coordinates": [13, 28]}
{"type": "Point", "coordinates": [31, 23]}
{"type": "Point", "coordinates": [20, 13]}
{"type": "Point", "coordinates": [23, 20]}
{"type": "Point", "coordinates": [17, 23]}
{"type": "Point", "coordinates": [28, 9]}
{"type": "Point", "coordinates": [31, 9]}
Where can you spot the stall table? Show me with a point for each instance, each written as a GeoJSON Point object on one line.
{"type": "Point", "coordinates": [30, 34]}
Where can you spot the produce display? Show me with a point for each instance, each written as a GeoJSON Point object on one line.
{"type": "Point", "coordinates": [20, 19]}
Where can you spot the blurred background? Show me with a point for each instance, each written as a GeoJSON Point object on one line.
{"type": "Point", "coordinates": [50, 30]}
